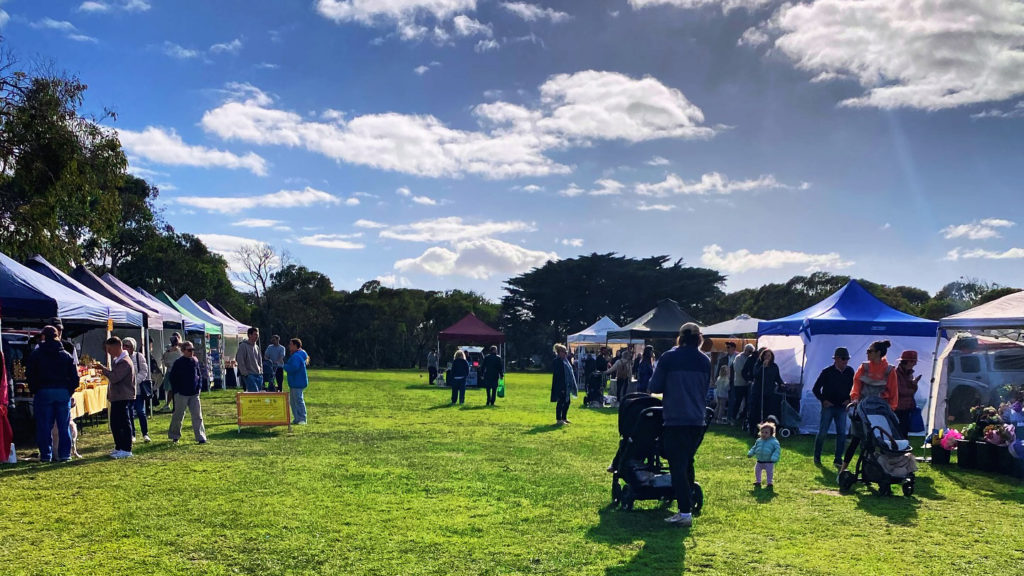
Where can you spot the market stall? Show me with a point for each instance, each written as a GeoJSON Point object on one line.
{"type": "Point", "coordinates": [471, 330]}
{"type": "Point", "coordinates": [221, 344]}
{"type": "Point", "coordinates": [205, 336]}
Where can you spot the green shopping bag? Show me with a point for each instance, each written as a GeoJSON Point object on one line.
{"type": "Point", "coordinates": [501, 387]}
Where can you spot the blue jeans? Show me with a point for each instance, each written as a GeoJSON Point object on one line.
{"type": "Point", "coordinates": [295, 395]}
{"type": "Point", "coordinates": [138, 410]}
{"type": "Point", "coordinates": [831, 414]}
{"type": "Point", "coordinates": [253, 382]}
{"type": "Point", "coordinates": [53, 405]}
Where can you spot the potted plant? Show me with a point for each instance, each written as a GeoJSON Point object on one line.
{"type": "Point", "coordinates": [973, 451]}
{"type": "Point", "coordinates": [943, 442]}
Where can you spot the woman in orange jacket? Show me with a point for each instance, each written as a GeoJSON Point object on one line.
{"type": "Point", "coordinates": [875, 378]}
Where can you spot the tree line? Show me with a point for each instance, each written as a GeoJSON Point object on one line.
{"type": "Point", "coordinates": [65, 193]}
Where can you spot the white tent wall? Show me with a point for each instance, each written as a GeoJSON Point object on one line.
{"type": "Point", "coordinates": [792, 354]}
{"type": "Point", "coordinates": [935, 415]}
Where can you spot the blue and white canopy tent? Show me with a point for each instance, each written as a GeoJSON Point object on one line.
{"type": "Point", "coordinates": [853, 318]}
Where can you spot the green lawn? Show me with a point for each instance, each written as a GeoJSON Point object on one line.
{"type": "Point", "coordinates": [388, 479]}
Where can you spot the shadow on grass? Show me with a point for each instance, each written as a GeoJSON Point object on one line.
{"type": "Point", "coordinates": [763, 495]}
{"type": "Point", "coordinates": [895, 508]}
{"type": "Point", "coordinates": [661, 551]}
{"type": "Point", "coordinates": [988, 484]}
{"type": "Point", "coordinates": [543, 428]}
{"type": "Point", "coordinates": [442, 406]}
{"type": "Point", "coordinates": [247, 432]}
{"type": "Point", "coordinates": [474, 407]}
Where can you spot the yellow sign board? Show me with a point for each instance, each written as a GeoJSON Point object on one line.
{"type": "Point", "coordinates": [263, 409]}
{"type": "Point", "coordinates": [110, 324]}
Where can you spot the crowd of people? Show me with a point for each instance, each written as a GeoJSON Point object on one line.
{"type": "Point", "coordinates": [51, 370]}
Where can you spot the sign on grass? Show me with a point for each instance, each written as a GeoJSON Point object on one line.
{"type": "Point", "coordinates": [263, 409]}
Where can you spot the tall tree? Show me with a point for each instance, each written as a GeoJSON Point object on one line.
{"type": "Point", "coordinates": [138, 224]}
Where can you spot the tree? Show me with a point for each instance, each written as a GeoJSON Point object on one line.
{"type": "Point", "coordinates": [138, 223]}
{"type": "Point", "coordinates": [259, 262]}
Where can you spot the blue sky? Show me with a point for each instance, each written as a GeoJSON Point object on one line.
{"type": "Point", "coordinates": [445, 144]}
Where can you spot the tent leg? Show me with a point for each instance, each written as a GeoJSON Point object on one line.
{"type": "Point", "coordinates": [929, 406]}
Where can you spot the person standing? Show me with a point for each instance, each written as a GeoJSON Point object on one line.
{"type": "Point", "coordinates": [460, 371]}
{"type": "Point", "coordinates": [767, 451]}
{"type": "Point", "coordinates": [143, 388]}
{"type": "Point", "coordinates": [52, 378]}
{"type": "Point", "coordinates": [728, 359]}
{"type": "Point", "coordinates": [167, 360]}
{"type": "Point", "coordinates": [250, 361]}
{"type": "Point", "coordinates": [276, 353]}
{"type": "Point", "coordinates": [740, 389]}
{"type": "Point", "coordinates": [121, 395]}
{"type": "Point", "coordinates": [493, 370]}
{"type": "Point", "coordinates": [683, 375]}
{"type": "Point", "coordinates": [623, 370]}
{"type": "Point", "coordinates": [764, 392]}
{"type": "Point", "coordinates": [563, 385]}
{"type": "Point", "coordinates": [906, 385]}
{"type": "Point", "coordinates": [832, 389]}
{"type": "Point", "coordinates": [186, 382]}
{"type": "Point", "coordinates": [875, 378]}
{"type": "Point", "coordinates": [432, 366]}
{"type": "Point", "coordinates": [645, 369]}
{"type": "Point", "coordinates": [298, 380]}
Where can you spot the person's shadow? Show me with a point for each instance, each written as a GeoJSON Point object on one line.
{"type": "Point", "coordinates": [662, 552]}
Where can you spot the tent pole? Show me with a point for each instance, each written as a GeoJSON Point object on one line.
{"type": "Point", "coordinates": [929, 405]}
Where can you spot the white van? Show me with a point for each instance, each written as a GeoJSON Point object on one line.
{"type": "Point", "coordinates": [976, 375]}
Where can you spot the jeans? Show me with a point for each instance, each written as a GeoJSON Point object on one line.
{"type": "Point", "coordinates": [121, 424]}
{"type": "Point", "coordinates": [53, 406]}
{"type": "Point", "coordinates": [138, 410]}
{"type": "Point", "coordinates": [831, 414]}
{"type": "Point", "coordinates": [680, 445]}
{"type": "Point", "coordinates": [562, 410]}
{"type": "Point", "coordinates": [432, 374]}
{"type": "Point", "coordinates": [298, 402]}
{"type": "Point", "coordinates": [253, 382]}
{"type": "Point", "coordinates": [458, 390]}
{"type": "Point", "coordinates": [195, 410]}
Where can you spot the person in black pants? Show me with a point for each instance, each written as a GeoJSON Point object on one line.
{"type": "Point", "coordinates": [683, 375]}
{"type": "Point", "coordinates": [460, 371]}
{"type": "Point", "coordinates": [764, 397]}
{"type": "Point", "coordinates": [563, 385]}
{"type": "Point", "coordinates": [120, 393]}
{"type": "Point", "coordinates": [493, 370]}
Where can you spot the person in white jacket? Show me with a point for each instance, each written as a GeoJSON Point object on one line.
{"type": "Point", "coordinates": [143, 388]}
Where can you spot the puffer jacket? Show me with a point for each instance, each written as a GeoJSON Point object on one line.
{"type": "Point", "coordinates": [50, 366]}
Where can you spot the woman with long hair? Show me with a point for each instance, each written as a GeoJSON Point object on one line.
{"type": "Point", "coordinates": [763, 393]}
{"type": "Point", "coordinates": [875, 378]}
{"type": "Point", "coordinates": [563, 385]}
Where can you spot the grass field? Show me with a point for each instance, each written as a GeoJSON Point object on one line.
{"type": "Point", "coordinates": [388, 479]}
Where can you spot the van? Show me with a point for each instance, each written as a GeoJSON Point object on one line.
{"type": "Point", "coordinates": [976, 373]}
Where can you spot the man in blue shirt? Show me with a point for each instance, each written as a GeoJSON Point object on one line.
{"type": "Point", "coordinates": [275, 354]}
{"type": "Point", "coordinates": [682, 376]}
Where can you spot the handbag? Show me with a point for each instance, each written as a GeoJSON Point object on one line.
{"type": "Point", "coordinates": [147, 388]}
{"type": "Point", "coordinates": [501, 387]}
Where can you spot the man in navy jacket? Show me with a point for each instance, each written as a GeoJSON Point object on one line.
{"type": "Point", "coordinates": [682, 376]}
{"type": "Point", "coordinates": [186, 382]}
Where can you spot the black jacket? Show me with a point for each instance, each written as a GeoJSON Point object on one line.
{"type": "Point", "coordinates": [834, 385]}
{"type": "Point", "coordinates": [186, 379]}
{"type": "Point", "coordinates": [765, 376]}
{"type": "Point", "coordinates": [492, 370]}
{"type": "Point", "coordinates": [49, 366]}
{"type": "Point", "coordinates": [460, 371]}
{"type": "Point", "coordinates": [558, 383]}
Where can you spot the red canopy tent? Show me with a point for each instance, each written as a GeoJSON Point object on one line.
{"type": "Point", "coordinates": [472, 330]}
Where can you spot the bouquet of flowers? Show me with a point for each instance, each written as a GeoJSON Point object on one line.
{"type": "Point", "coordinates": [949, 439]}
{"type": "Point", "coordinates": [1012, 412]}
{"type": "Point", "coordinates": [983, 418]}
{"type": "Point", "coordinates": [1000, 434]}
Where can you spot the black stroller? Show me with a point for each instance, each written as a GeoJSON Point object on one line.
{"type": "Point", "coordinates": [885, 456]}
{"type": "Point", "coordinates": [639, 461]}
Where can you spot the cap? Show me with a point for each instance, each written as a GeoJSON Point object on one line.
{"type": "Point", "coordinates": [841, 353]}
{"type": "Point", "coordinates": [909, 355]}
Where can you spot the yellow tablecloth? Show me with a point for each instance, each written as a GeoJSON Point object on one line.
{"type": "Point", "coordinates": [90, 401]}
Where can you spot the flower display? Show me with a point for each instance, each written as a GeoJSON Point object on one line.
{"type": "Point", "coordinates": [1000, 434]}
{"type": "Point", "coordinates": [950, 438]}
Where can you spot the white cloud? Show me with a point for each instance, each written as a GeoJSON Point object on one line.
{"type": "Point", "coordinates": [256, 223]}
{"type": "Point", "coordinates": [369, 224]}
{"type": "Point", "coordinates": [744, 260]}
{"type": "Point", "coordinates": [645, 207]}
{"type": "Point", "coordinates": [532, 12]}
{"type": "Point", "coordinates": [180, 52]}
{"type": "Point", "coordinates": [404, 192]}
{"type": "Point", "coordinates": [281, 199]}
{"type": "Point", "coordinates": [4, 18]}
{"type": "Point", "coordinates": [334, 241]}
{"type": "Point", "coordinates": [166, 147]}
{"type": "Point", "coordinates": [267, 66]}
{"type": "Point", "coordinates": [574, 242]}
{"type": "Point", "coordinates": [908, 53]}
{"type": "Point", "coordinates": [1016, 112]}
{"type": "Point", "coordinates": [227, 246]}
{"type": "Point", "coordinates": [711, 183]}
{"type": "Point", "coordinates": [143, 172]}
{"type": "Point", "coordinates": [479, 259]}
{"type": "Point", "coordinates": [486, 45]}
{"type": "Point", "coordinates": [575, 110]}
{"type": "Point", "coordinates": [958, 253]}
{"type": "Point", "coordinates": [607, 187]}
{"type": "Point", "coordinates": [529, 188]}
{"type": "Point", "coordinates": [421, 69]}
{"type": "Point", "coordinates": [352, 201]}
{"type": "Point", "coordinates": [450, 229]}
{"type": "Point", "coordinates": [424, 200]}
{"type": "Point", "coordinates": [572, 191]}
{"type": "Point", "coordinates": [753, 36]}
{"type": "Point", "coordinates": [230, 47]}
{"type": "Point", "coordinates": [407, 16]}
{"type": "Point", "coordinates": [726, 5]}
{"type": "Point", "coordinates": [658, 161]}
{"type": "Point", "coordinates": [977, 230]}
{"type": "Point", "coordinates": [69, 29]}
{"type": "Point", "coordinates": [392, 281]}
{"type": "Point", "coordinates": [466, 26]}
{"type": "Point", "coordinates": [114, 5]}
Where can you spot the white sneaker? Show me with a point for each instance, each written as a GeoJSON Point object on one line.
{"type": "Point", "coordinates": [680, 519]}
{"type": "Point", "coordinates": [145, 438]}
{"type": "Point", "coordinates": [121, 454]}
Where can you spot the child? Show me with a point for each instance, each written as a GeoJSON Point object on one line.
{"type": "Point", "coordinates": [721, 394]}
{"type": "Point", "coordinates": [767, 451]}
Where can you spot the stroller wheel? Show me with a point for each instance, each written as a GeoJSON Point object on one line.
{"type": "Point", "coordinates": [908, 487]}
{"type": "Point", "coordinates": [785, 433]}
{"type": "Point", "coordinates": [846, 480]}
{"type": "Point", "coordinates": [884, 489]}
{"type": "Point", "coordinates": [696, 499]}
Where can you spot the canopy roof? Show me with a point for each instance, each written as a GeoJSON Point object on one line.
{"type": "Point", "coordinates": [662, 321]}
{"type": "Point", "coordinates": [228, 328]}
{"type": "Point", "coordinates": [742, 324]}
{"type": "Point", "coordinates": [851, 310]}
{"type": "Point", "coordinates": [208, 327]}
{"type": "Point", "coordinates": [28, 295]}
{"type": "Point", "coordinates": [596, 333]}
{"type": "Point", "coordinates": [170, 317]}
{"type": "Point", "coordinates": [120, 314]}
{"type": "Point", "coordinates": [472, 330]}
{"type": "Point", "coordinates": [221, 313]}
{"type": "Point", "coordinates": [1006, 312]}
{"type": "Point", "coordinates": [188, 323]}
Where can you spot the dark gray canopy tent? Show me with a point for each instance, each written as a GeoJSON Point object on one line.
{"type": "Point", "coordinates": [662, 321]}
